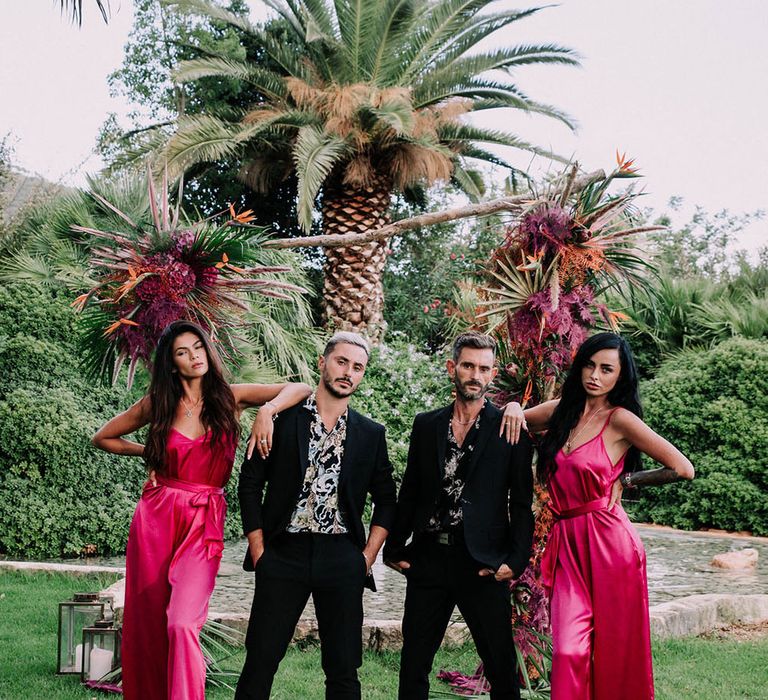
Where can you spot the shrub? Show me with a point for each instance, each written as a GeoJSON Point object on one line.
{"type": "Point", "coordinates": [29, 310]}
{"type": "Point", "coordinates": [400, 382]}
{"type": "Point", "coordinates": [713, 405]}
{"type": "Point", "coordinates": [60, 494]}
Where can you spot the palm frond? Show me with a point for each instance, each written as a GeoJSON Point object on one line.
{"type": "Point", "coordinates": [200, 139]}
{"type": "Point", "coordinates": [397, 115]}
{"type": "Point", "coordinates": [476, 30]}
{"type": "Point", "coordinates": [315, 155]}
{"type": "Point", "coordinates": [457, 134]}
{"type": "Point", "coordinates": [267, 82]}
{"type": "Point", "coordinates": [469, 181]}
{"type": "Point", "coordinates": [505, 59]}
{"type": "Point", "coordinates": [511, 287]}
{"type": "Point", "coordinates": [439, 25]}
{"type": "Point", "coordinates": [387, 34]}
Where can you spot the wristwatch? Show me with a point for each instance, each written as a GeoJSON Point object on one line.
{"type": "Point", "coordinates": [625, 480]}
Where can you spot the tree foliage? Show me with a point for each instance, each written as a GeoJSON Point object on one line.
{"type": "Point", "coordinates": [363, 88]}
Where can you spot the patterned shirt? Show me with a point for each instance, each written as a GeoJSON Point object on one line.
{"type": "Point", "coordinates": [448, 514]}
{"type": "Point", "coordinates": [317, 509]}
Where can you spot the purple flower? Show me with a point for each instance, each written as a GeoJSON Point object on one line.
{"type": "Point", "coordinates": [183, 241]}
{"type": "Point", "coordinates": [547, 228]}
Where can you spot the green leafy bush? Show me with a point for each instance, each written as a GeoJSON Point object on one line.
{"type": "Point", "coordinates": [400, 382]}
{"type": "Point", "coordinates": [61, 496]}
{"type": "Point", "coordinates": [713, 405]}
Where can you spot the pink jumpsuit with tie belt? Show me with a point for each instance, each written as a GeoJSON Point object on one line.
{"type": "Point", "coordinates": [173, 554]}
{"type": "Point", "coordinates": [594, 566]}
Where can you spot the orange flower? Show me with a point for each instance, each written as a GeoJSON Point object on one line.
{"type": "Point", "coordinates": [615, 318]}
{"type": "Point", "coordinates": [244, 217]}
{"type": "Point", "coordinates": [625, 166]}
{"type": "Point", "coordinates": [118, 323]}
{"type": "Point", "coordinates": [224, 261]}
{"type": "Point", "coordinates": [528, 393]}
{"type": "Point", "coordinates": [80, 301]}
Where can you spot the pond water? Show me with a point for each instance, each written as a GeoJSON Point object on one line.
{"type": "Point", "coordinates": [678, 565]}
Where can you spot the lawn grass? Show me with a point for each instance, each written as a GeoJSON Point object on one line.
{"type": "Point", "coordinates": [695, 669]}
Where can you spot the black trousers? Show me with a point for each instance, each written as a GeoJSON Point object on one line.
{"type": "Point", "coordinates": [330, 568]}
{"type": "Point", "coordinates": [442, 577]}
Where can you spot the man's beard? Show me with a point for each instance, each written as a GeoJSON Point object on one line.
{"type": "Point", "coordinates": [333, 391]}
{"type": "Point", "coordinates": [470, 391]}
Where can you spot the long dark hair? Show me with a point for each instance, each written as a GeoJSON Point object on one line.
{"type": "Point", "coordinates": [165, 391]}
{"type": "Point", "coordinates": [573, 399]}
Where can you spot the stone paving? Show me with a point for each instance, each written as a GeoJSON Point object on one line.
{"type": "Point", "coordinates": [688, 596]}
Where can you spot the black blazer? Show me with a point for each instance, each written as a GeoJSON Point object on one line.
{"type": "Point", "coordinates": [497, 496]}
{"type": "Point", "coordinates": [269, 488]}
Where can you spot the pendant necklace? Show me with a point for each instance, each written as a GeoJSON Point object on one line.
{"type": "Point", "coordinates": [572, 437]}
{"type": "Point", "coordinates": [187, 409]}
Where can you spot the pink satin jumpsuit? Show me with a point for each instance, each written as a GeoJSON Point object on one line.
{"type": "Point", "coordinates": [594, 566]}
{"type": "Point", "coordinates": [174, 550]}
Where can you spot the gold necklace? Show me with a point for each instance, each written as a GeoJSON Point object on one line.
{"type": "Point", "coordinates": [462, 422]}
{"type": "Point", "coordinates": [572, 437]}
{"type": "Point", "coordinates": [187, 409]}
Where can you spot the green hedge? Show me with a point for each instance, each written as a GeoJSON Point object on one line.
{"type": "Point", "coordinates": [61, 496]}
{"type": "Point", "coordinates": [401, 381]}
{"type": "Point", "coordinates": [713, 405]}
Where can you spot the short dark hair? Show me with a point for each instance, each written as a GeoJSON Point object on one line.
{"type": "Point", "coordinates": [479, 341]}
{"type": "Point", "coordinates": [349, 338]}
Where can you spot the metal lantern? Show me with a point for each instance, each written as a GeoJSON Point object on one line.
{"type": "Point", "coordinates": [101, 650]}
{"type": "Point", "coordinates": [75, 615]}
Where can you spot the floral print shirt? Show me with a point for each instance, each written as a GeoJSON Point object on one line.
{"type": "Point", "coordinates": [448, 515]}
{"type": "Point", "coordinates": [317, 509]}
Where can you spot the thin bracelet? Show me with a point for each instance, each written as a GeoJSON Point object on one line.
{"type": "Point", "coordinates": [626, 480]}
{"type": "Point", "coordinates": [274, 408]}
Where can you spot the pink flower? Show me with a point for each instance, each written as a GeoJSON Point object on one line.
{"type": "Point", "coordinates": [426, 308]}
{"type": "Point", "coordinates": [453, 256]}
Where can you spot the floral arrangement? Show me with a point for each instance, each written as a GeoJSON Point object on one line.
{"type": "Point", "coordinates": [150, 275]}
{"type": "Point", "coordinates": [546, 279]}
{"type": "Point", "coordinates": [541, 301]}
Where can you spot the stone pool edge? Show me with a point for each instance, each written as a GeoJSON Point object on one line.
{"type": "Point", "coordinates": [684, 617]}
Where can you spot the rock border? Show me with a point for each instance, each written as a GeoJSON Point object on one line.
{"type": "Point", "coordinates": [688, 616]}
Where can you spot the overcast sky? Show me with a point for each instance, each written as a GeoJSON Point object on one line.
{"type": "Point", "coordinates": [681, 85]}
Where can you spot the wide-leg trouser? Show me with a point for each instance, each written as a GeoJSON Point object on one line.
{"type": "Point", "coordinates": [169, 581]}
{"type": "Point", "coordinates": [330, 568]}
{"type": "Point", "coordinates": [599, 611]}
{"type": "Point", "coordinates": [441, 578]}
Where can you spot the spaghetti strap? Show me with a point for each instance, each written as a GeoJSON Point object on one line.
{"type": "Point", "coordinates": [608, 420]}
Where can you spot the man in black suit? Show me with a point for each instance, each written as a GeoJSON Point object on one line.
{"type": "Point", "coordinates": [305, 532]}
{"type": "Point", "coordinates": [465, 501]}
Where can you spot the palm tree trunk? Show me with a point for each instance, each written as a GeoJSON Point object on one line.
{"type": "Point", "coordinates": [353, 295]}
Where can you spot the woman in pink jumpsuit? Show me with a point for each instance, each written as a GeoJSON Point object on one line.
{"type": "Point", "coordinates": [594, 564]}
{"type": "Point", "coordinates": [175, 541]}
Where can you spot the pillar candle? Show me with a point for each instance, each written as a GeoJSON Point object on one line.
{"type": "Point", "coordinates": [100, 663]}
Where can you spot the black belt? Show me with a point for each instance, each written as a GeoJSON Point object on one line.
{"type": "Point", "coordinates": [446, 538]}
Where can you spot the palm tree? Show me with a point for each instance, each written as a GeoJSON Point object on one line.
{"type": "Point", "coordinates": [362, 99]}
